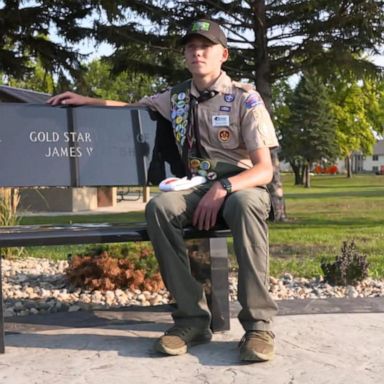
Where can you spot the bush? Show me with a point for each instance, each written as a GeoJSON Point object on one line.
{"type": "Point", "coordinates": [128, 268]}
{"type": "Point", "coordinates": [8, 217]}
{"type": "Point", "coordinates": [348, 269]}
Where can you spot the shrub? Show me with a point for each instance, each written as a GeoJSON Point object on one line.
{"type": "Point", "coordinates": [127, 269]}
{"type": "Point", "coordinates": [8, 217]}
{"type": "Point", "coordinates": [348, 269]}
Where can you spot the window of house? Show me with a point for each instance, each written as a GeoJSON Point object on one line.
{"type": "Point", "coordinates": [375, 169]}
{"type": "Point", "coordinates": [375, 157]}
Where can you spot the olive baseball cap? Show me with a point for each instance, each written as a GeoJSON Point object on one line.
{"type": "Point", "coordinates": [208, 29]}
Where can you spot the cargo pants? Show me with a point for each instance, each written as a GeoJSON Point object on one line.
{"type": "Point", "coordinates": [245, 213]}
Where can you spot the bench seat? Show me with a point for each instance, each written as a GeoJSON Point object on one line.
{"type": "Point", "coordinates": [36, 235]}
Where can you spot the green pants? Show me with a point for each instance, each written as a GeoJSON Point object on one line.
{"type": "Point", "coordinates": [245, 213]}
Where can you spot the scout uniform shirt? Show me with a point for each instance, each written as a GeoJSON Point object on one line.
{"type": "Point", "coordinates": [231, 124]}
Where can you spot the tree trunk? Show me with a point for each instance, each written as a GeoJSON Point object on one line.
{"type": "Point", "coordinates": [302, 173]}
{"type": "Point", "coordinates": [348, 165]}
{"type": "Point", "coordinates": [307, 178]}
{"type": "Point", "coordinates": [297, 169]}
{"type": "Point", "coordinates": [296, 172]}
{"type": "Point", "coordinates": [263, 86]}
{"type": "Point", "coordinates": [275, 189]}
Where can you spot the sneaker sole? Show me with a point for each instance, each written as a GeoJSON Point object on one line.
{"type": "Point", "coordinates": [159, 347]}
{"type": "Point", "coordinates": [256, 357]}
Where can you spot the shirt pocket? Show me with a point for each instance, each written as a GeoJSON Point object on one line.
{"type": "Point", "coordinates": [223, 131]}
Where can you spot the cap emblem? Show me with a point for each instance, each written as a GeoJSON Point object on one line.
{"type": "Point", "coordinates": [200, 26]}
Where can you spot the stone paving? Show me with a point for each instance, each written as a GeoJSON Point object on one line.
{"type": "Point", "coordinates": [317, 341]}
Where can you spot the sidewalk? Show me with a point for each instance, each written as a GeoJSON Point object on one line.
{"type": "Point", "coordinates": [318, 341]}
{"type": "Point", "coordinates": [335, 341]}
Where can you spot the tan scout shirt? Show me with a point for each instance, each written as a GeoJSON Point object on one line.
{"type": "Point", "coordinates": [231, 124]}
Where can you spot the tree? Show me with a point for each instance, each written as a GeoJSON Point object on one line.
{"type": "Point", "coordinates": [125, 86]}
{"type": "Point", "coordinates": [310, 134]}
{"type": "Point", "coordinates": [25, 28]}
{"type": "Point", "coordinates": [359, 112]}
{"type": "Point", "coordinates": [37, 79]}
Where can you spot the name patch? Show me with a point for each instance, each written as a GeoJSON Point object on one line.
{"type": "Point", "coordinates": [220, 121]}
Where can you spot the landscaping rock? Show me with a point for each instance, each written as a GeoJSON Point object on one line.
{"type": "Point", "coordinates": [33, 286]}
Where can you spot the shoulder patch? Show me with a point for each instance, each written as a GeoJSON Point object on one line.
{"type": "Point", "coordinates": [252, 100]}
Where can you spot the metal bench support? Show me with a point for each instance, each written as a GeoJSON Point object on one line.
{"type": "Point", "coordinates": [209, 264]}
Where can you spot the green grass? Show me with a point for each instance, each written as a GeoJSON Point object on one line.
{"type": "Point", "coordinates": [334, 210]}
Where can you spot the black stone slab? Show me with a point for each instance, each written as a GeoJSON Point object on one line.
{"type": "Point", "coordinates": [49, 146]}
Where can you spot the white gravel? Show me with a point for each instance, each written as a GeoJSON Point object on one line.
{"type": "Point", "coordinates": [32, 286]}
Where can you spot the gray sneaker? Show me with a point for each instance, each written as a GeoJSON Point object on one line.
{"type": "Point", "coordinates": [257, 346]}
{"type": "Point", "coordinates": [177, 339]}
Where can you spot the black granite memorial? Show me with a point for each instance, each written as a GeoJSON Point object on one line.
{"type": "Point", "coordinates": [62, 146]}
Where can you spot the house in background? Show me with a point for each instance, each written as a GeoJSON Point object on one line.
{"type": "Point", "coordinates": [55, 199]}
{"type": "Point", "coordinates": [360, 163]}
{"type": "Point", "coordinates": [366, 163]}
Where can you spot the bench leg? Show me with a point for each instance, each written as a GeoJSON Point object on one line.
{"type": "Point", "coordinates": [209, 264]}
{"type": "Point", "coordinates": [2, 344]}
{"type": "Point", "coordinates": [146, 194]}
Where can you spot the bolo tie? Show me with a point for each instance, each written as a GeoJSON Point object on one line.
{"type": "Point", "coordinates": [192, 144]}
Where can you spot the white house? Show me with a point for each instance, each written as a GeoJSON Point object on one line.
{"type": "Point", "coordinates": [366, 163]}
{"type": "Point", "coordinates": [360, 163]}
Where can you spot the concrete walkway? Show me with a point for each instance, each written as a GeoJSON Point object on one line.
{"type": "Point", "coordinates": [318, 341]}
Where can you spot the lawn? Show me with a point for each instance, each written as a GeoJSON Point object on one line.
{"type": "Point", "coordinates": [333, 210]}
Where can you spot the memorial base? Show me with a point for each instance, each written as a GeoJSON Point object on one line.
{"type": "Point", "coordinates": [66, 199]}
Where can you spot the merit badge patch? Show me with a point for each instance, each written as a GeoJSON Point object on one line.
{"type": "Point", "coordinates": [180, 104]}
{"type": "Point", "coordinates": [252, 100]}
{"type": "Point", "coordinates": [224, 108]}
{"type": "Point", "coordinates": [205, 165]}
{"type": "Point", "coordinates": [212, 175]}
{"type": "Point", "coordinates": [220, 121]}
{"type": "Point", "coordinates": [224, 135]}
{"type": "Point", "coordinates": [229, 97]}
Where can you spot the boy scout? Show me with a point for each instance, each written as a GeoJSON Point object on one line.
{"type": "Point", "coordinates": [224, 133]}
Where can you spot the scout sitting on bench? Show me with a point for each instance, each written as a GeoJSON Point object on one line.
{"type": "Point", "coordinates": [224, 133]}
